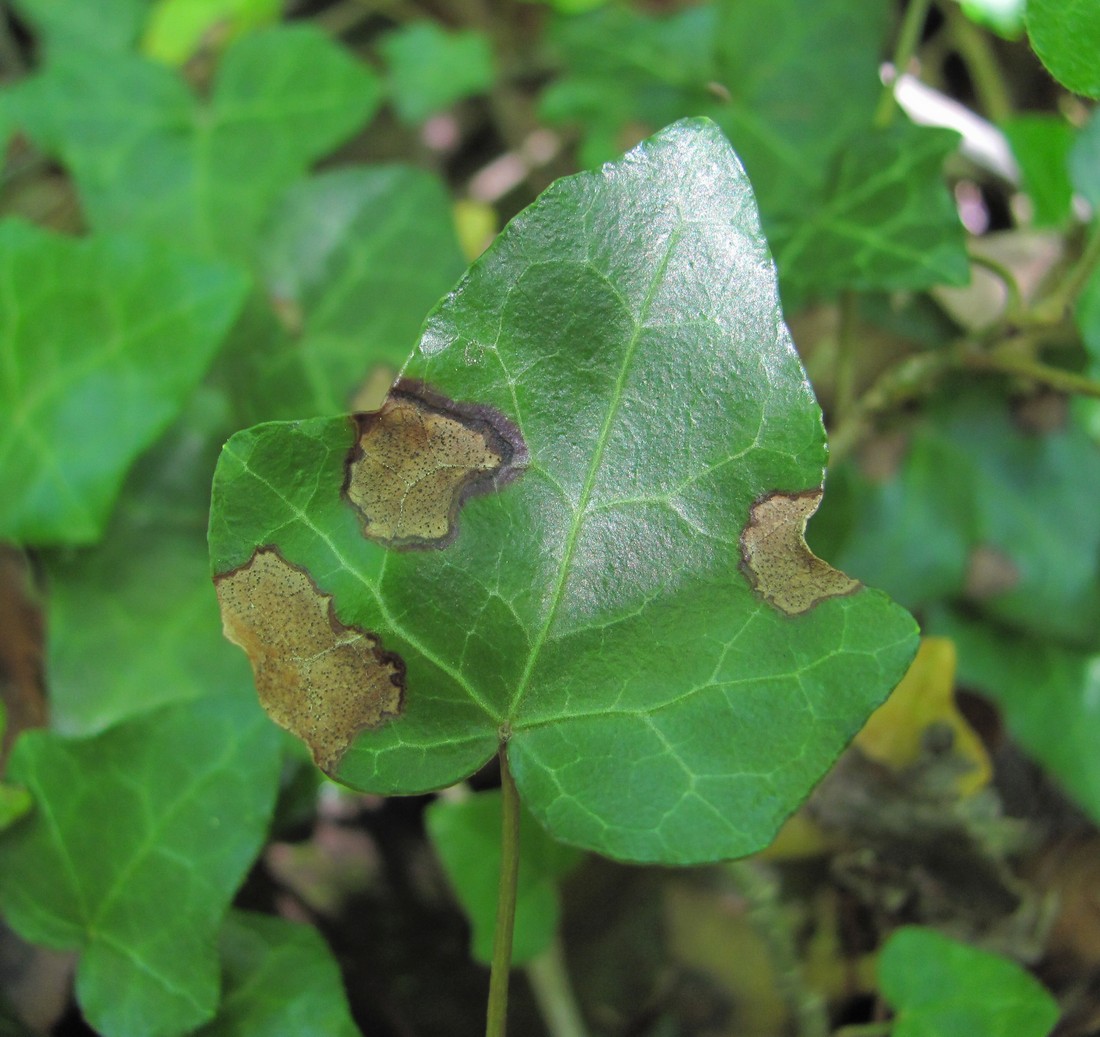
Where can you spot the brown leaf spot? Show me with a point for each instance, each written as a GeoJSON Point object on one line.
{"type": "Point", "coordinates": [774, 556]}
{"type": "Point", "coordinates": [419, 457]}
{"type": "Point", "coordinates": [321, 680]}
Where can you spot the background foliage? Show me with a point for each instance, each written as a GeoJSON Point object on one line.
{"type": "Point", "coordinates": [222, 212]}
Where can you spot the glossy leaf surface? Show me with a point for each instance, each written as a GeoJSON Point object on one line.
{"type": "Point", "coordinates": [943, 988]}
{"type": "Point", "coordinates": [104, 341]}
{"type": "Point", "coordinates": [165, 811]}
{"type": "Point", "coordinates": [619, 612]}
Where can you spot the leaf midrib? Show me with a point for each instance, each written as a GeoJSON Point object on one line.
{"type": "Point", "coordinates": [581, 511]}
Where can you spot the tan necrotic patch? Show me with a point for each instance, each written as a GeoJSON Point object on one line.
{"type": "Point", "coordinates": [774, 556]}
{"type": "Point", "coordinates": [321, 680]}
{"type": "Point", "coordinates": [419, 457]}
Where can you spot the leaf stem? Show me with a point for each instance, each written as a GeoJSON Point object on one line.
{"type": "Point", "coordinates": [1079, 276]}
{"type": "Point", "coordinates": [766, 913]}
{"type": "Point", "coordinates": [846, 354]}
{"type": "Point", "coordinates": [908, 38]}
{"type": "Point", "coordinates": [981, 62]}
{"type": "Point", "coordinates": [497, 1016]}
{"type": "Point", "coordinates": [549, 980]}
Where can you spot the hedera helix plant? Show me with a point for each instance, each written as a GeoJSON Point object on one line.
{"type": "Point", "coordinates": [571, 538]}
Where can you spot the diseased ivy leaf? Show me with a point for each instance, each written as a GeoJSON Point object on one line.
{"type": "Point", "coordinates": [136, 843]}
{"type": "Point", "coordinates": [943, 988]}
{"type": "Point", "coordinates": [982, 508]}
{"type": "Point", "coordinates": [278, 978]}
{"type": "Point", "coordinates": [886, 220]}
{"type": "Point", "coordinates": [1049, 693]}
{"type": "Point", "coordinates": [466, 835]}
{"type": "Point", "coordinates": [575, 526]}
{"type": "Point", "coordinates": [141, 595]}
{"type": "Point", "coordinates": [1066, 36]}
{"type": "Point", "coordinates": [353, 259]}
{"type": "Point", "coordinates": [103, 343]}
{"type": "Point", "coordinates": [430, 69]}
{"type": "Point", "coordinates": [149, 158]}
{"type": "Point", "coordinates": [1041, 145]}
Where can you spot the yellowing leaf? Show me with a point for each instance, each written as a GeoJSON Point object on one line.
{"type": "Point", "coordinates": [894, 735]}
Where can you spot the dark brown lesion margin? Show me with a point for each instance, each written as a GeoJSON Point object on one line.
{"type": "Point", "coordinates": [500, 433]}
{"type": "Point", "coordinates": [775, 559]}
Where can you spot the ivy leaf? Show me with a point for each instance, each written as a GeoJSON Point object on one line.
{"type": "Point", "coordinates": [1066, 36]}
{"type": "Point", "coordinates": [886, 221]}
{"type": "Point", "coordinates": [466, 835]}
{"type": "Point", "coordinates": [575, 526]}
{"type": "Point", "coordinates": [148, 157]}
{"type": "Point", "coordinates": [1041, 145]}
{"type": "Point", "coordinates": [943, 988]}
{"type": "Point", "coordinates": [430, 69]}
{"type": "Point", "coordinates": [142, 595]}
{"type": "Point", "coordinates": [135, 846]}
{"type": "Point", "coordinates": [108, 26]}
{"type": "Point", "coordinates": [106, 342]}
{"type": "Point", "coordinates": [353, 259]}
{"type": "Point", "coordinates": [278, 978]}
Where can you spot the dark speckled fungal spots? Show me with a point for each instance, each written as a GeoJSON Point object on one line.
{"type": "Point", "coordinates": [419, 458]}
{"type": "Point", "coordinates": [321, 680]}
{"type": "Point", "coordinates": [780, 568]}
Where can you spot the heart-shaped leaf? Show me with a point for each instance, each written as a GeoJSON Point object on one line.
{"type": "Point", "coordinates": [576, 527]}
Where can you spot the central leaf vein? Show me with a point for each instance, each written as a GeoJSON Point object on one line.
{"type": "Point", "coordinates": [581, 511]}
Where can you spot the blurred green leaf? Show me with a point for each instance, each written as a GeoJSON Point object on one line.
{"type": "Point", "coordinates": [143, 595]}
{"type": "Point", "coordinates": [1041, 144]}
{"type": "Point", "coordinates": [980, 508]}
{"type": "Point", "coordinates": [1049, 693]}
{"type": "Point", "coordinates": [177, 29]}
{"type": "Point", "coordinates": [1066, 36]}
{"type": "Point", "coordinates": [803, 80]}
{"type": "Point", "coordinates": [886, 219]}
{"type": "Point", "coordinates": [942, 988]}
{"type": "Point", "coordinates": [1087, 314]}
{"type": "Point", "coordinates": [110, 26]}
{"type": "Point", "coordinates": [597, 608]}
{"type": "Point", "coordinates": [1084, 160]}
{"type": "Point", "coordinates": [148, 158]}
{"type": "Point", "coordinates": [104, 341]}
{"type": "Point", "coordinates": [356, 257]}
{"type": "Point", "coordinates": [137, 842]}
{"type": "Point", "coordinates": [1005, 17]}
{"type": "Point", "coordinates": [430, 69]}
{"type": "Point", "coordinates": [279, 979]}
{"type": "Point", "coordinates": [466, 835]}
{"type": "Point", "coordinates": [628, 73]}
